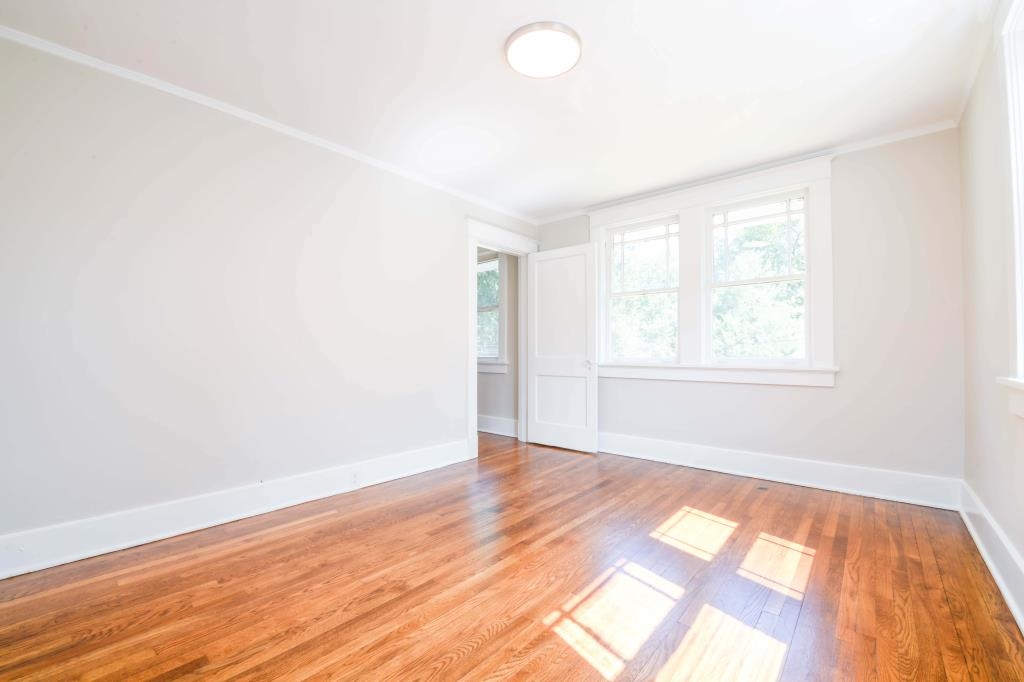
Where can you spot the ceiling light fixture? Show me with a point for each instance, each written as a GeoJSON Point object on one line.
{"type": "Point", "coordinates": [543, 50]}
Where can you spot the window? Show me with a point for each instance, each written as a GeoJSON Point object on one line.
{"type": "Point", "coordinates": [1013, 40]}
{"type": "Point", "coordinates": [488, 309]}
{"type": "Point", "coordinates": [758, 280]}
{"type": "Point", "coordinates": [643, 292]}
{"type": "Point", "coordinates": [728, 281]}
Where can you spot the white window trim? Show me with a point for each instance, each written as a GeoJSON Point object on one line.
{"type": "Point", "coordinates": [485, 366]}
{"type": "Point", "coordinates": [1016, 388]}
{"type": "Point", "coordinates": [724, 374]}
{"type": "Point", "coordinates": [690, 207]}
{"type": "Point", "coordinates": [1013, 47]}
{"type": "Point", "coordinates": [1013, 53]}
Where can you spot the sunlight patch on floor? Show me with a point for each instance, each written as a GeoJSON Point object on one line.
{"type": "Point", "coordinates": [695, 532]}
{"type": "Point", "coordinates": [720, 647]}
{"type": "Point", "coordinates": [607, 623]}
{"type": "Point", "coordinates": [781, 565]}
{"type": "Point", "coordinates": [590, 650]}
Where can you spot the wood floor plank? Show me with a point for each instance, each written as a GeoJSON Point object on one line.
{"type": "Point", "coordinates": [532, 563]}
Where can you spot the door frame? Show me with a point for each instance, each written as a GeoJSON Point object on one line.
{"type": "Point", "coordinates": [483, 234]}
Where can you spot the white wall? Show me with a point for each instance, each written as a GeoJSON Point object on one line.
{"type": "Point", "coordinates": [995, 438]}
{"type": "Point", "coordinates": [496, 393]}
{"type": "Point", "coordinates": [898, 401]}
{"type": "Point", "coordinates": [191, 302]}
{"type": "Point", "coordinates": [566, 232]}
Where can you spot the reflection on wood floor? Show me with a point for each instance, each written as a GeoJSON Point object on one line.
{"type": "Point", "coordinates": [532, 563]}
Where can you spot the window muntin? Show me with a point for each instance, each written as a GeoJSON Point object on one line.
{"type": "Point", "coordinates": [488, 309]}
{"type": "Point", "coordinates": [758, 281]}
{"type": "Point", "coordinates": [643, 293]}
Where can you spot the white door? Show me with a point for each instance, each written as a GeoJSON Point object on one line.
{"type": "Point", "coordinates": [562, 348]}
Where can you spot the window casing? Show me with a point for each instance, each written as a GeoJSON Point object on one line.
{"type": "Point", "coordinates": [1013, 46]}
{"type": "Point", "coordinates": [773, 255]}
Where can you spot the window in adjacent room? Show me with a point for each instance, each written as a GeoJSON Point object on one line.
{"type": "Point", "coordinates": [643, 293]}
{"type": "Point", "coordinates": [757, 288]}
{"type": "Point", "coordinates": [489, 318]}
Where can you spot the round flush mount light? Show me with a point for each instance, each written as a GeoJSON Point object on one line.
{"type": "Point", "coordinates": [543, 50]}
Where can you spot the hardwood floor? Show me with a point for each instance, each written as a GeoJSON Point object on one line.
{"type": "Point", "coordinates": [532, 563]}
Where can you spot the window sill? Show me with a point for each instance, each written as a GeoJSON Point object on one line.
{"type": "Point", "coordinates": [774, 376]}
{"type": "Point", "coordinates": [491, 367]}
{"type": "Point", "coordinates": [1016, 391]}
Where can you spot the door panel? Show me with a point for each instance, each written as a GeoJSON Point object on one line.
{"type": "Point", "coordinates": [562, 348]}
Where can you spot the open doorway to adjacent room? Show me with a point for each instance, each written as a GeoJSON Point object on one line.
{"type": "Point", "coordinates": [496, 372]}
{"type": "Point", "coordinates": [497, 325]}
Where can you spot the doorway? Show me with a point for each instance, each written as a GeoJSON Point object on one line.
{"type": "Point", "coordinates": [497, 322]}
{"type": "Point", "coordinates": [496, 401]}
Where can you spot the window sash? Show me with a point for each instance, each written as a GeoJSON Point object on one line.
{"type": "Point", "coordinates": [494, 265]}
{"type": "Point", "coordinates": [757, 280]}
{"type": "Point", "coordinates": [700, 341]}
{"type": "Point", "coordinates": [1013, 55]}
{"type": "Point", "coordinates": [711, 285]}
{"type": "Point", "coordinates": [745, 360]}
{"type": "Point", "coordinates": [693, 207]}
{"type": "Point", "coordinates": [618, 239]}
{"type": "Point", "coordinates": [615, 238]}
{"type": "Point", "coordinates": [499, 265]}
{"type": "Point", "coordinates": [722, 278]}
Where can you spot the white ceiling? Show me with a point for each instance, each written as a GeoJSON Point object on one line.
{"type": "Point", "coordinates": [667, 91]}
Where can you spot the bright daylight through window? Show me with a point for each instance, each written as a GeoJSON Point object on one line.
{"type": "Point", "coordinates": [643, 270]}
{"type": "Point", "coordinates": [756, 293]}
{"type": "Point", "coordinates": [1014, 56]}
{"type": "Point", "coordinates": [488, 314]}
{"type": "Point", "coordinates": [728, 281]}
{"type": "Point", "coordinates": [758, 286]}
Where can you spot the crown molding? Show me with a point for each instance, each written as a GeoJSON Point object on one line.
{"type": "Point", "coordinates": [899, 136]}
{"type": "Point", "coordinates": [57, 50]}
{"type": "Point", "coordinates": [1003, 9]}
{"type": "Point", "coordinates": [558, 217]}
{"type": "Point", "coordinates": [707, 180]}
{"type": "Point", "coordinates": [867, 143]}
{"type": "Point", "coordinates": [1002, 18]}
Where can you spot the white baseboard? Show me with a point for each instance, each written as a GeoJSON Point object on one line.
{"type": "Point", "coordinates": [899, 486]}
{"type": "Point", "coordinates": [39, 548]}
{"type": "Point", "coordinates": [502, 426]}
{"type": "Point", "coordinates": [1003, 560]}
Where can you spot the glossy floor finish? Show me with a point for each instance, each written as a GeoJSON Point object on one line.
{"type": "Point", "coordinates": [532, 563]}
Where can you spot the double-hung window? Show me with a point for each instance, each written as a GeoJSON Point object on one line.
{"type": "Point", "coordinates": [488, 310]}
{"type": "Point", "coordinates": [643, 292]}
{"type": "Point", "coordinates": [489, 330]}
{"type": "Point", "coordinates": [729, 281]}
{"type": "Point", "coordinates": [1013, 39]}
{"type": "Point", "coordinates": [758, 281]}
